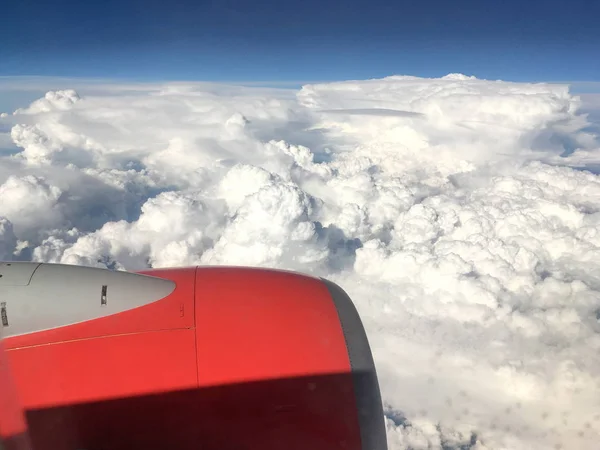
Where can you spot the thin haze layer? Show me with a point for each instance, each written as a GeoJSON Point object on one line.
{"type": "Point", "coordinates": [458, 214]}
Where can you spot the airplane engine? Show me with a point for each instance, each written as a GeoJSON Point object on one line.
{"type": "Point", "coordinates": [186, 358]}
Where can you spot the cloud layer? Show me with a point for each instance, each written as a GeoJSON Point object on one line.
{"type": "Point", "coordinates": [461, 215]}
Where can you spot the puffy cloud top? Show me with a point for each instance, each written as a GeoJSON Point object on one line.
{"type": "Point", "coordinates": [52, 101]}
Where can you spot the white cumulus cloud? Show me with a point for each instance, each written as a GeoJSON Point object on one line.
{"type": "Point", "coordinates": [461, 215]}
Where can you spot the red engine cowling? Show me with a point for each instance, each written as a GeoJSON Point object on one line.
{"type": "Point", "coordinates": [189, 358]}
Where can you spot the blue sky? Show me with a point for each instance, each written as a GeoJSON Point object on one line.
{"type": "Point", "coordinates": [232, 40]}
